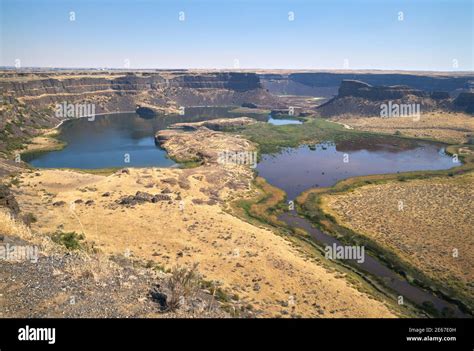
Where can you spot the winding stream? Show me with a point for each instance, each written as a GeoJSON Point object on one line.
{"type": "Point", "coordinates": [298, 169]}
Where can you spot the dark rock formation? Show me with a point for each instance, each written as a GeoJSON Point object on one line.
{"type": "Point", "coordinates": [360, 89]}
{"type": "Point", "coordinates": [145, 112]}
{"type": "Point", "coordinates": [465, 102]}
{"type": "Point", "coordinates": [7, 200]}
{"type": "Point", "coordinates": [141, 197]}
{"type": "Point", "coordinates": [420, 81]}
{"type": "Point", "coordinates": [361, 99]}
{"type": "Point", "coordinates": [439, 95]}
{"type": "Point", "coordinates": [326, 84]}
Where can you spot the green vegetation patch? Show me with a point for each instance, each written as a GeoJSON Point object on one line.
{"type": "Point", "coordinates": [271, 138]}
{"type": "Point", "coordinates": [71, 240]}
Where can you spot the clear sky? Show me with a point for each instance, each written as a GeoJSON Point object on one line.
{"type": "Point", "coordinates": [323, 34]}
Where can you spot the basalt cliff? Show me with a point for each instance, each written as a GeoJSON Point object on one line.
{"type": "Point", "coordinates": [29, 99]}
{"type": "Point", "coordinates": [362, 99]}
{"type": "Point", "coordinates": [326, 83]}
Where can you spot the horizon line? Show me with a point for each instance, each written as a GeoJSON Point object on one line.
{"type": "Point", "coordinates": [13, 68]}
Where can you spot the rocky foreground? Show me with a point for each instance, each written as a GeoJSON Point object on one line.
{"type": "Point", "coordinates": [40, 278]}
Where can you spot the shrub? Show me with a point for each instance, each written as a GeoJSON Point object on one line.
{"type": "Point", "coordinates": [29, 218]}
{"type": "Point", "coordinates": [15, 181]}
{"type": "Point", "coordinates": [71, 240]}
{"type": "Point", "coordinates": [183, 284]}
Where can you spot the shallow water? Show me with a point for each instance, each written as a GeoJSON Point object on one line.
{"type": "Point", "coordinates": [371, 265]}
{"type": "Point", "coordinates": [297, 169]}
{"type": "Point", "coordinates": [282, 122]}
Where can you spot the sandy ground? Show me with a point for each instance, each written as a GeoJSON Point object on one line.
{"type": "Point", "coordinates": [447, 127]}
{"type": "Point", "coordinates": [428, 223]}
{"type": "Point", "coordinates": [261, 267]}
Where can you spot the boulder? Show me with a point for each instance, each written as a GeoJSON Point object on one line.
{"type": "Point", "coordinates": [142, 197]}
{"type": "Point", "coordinates": [8, 200]}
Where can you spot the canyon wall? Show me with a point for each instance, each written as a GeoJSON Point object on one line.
{"type": "Point", "coordinates": [326, 84]}
{"type": "Point", "coordinates": [358, 98]}
{"type": "Point", "coordinates": [29, 99]}
{"type": "Point", "coordinates": [162, 87]}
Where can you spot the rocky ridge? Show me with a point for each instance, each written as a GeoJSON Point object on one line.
{"type": "Point", "coordinates": [359, 98]}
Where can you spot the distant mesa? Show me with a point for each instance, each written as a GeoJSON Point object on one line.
{"type": "Point", "coordinates": [326, 84]}
{"type": "Point", "coordinates": [358, 98]}
{"type": "Point", "coordinates": [357, 88]}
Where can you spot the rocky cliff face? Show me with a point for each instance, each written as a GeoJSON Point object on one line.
{"type": "Point", "coordinates": [40, 90]}
{"type": "Point", "coordinates": [465, 102]}
{"type": "Point", "coordinates": [366, 91]}
{"type": "Point", "coordinates": [326, 84]}
{"type": "Point", "coordinates": [29, 99]}
{"type": "Point", "coordinates": [359, 98]}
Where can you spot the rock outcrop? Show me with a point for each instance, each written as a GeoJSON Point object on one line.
{"type": "Point", "coordinates": [8, 201]}
{"type": "Point", "coordinates": [465, 102]}
{"type": "Point", "coordinates": [142, 197]}
{"type": "Point", "coordinates": [355, 88]}
{"type": "Point", "coordinates": [201, 145]}
{"type": "Point", "coordinates": [156, 88]}
{"type": "Point", "coordinates": [30, 100]}
{"type": "Point", "coordinates": [326, 84]}
{"type": "Point", "coordinates": [358, 98]}
{"type": "Point", "coordinates": [216, 124]}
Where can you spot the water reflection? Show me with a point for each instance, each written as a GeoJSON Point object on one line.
{"type": "Point", "coordinates": [297, 169]}
{"type": "Point", "coordinates": [111, 140]}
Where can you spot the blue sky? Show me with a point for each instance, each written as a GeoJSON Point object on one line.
{"type": "Point", "coordinates": [434, 34]}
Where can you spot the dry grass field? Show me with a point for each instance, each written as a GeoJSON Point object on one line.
{"type": "Point", "coordinates": [447, 127]}
{"type": "Point", "coordinates": [427, 223]}
{"type": "Point", "coordinates": [263, 269]}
